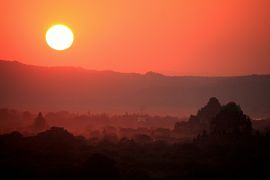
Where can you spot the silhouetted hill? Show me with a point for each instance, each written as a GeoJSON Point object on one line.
{"type": "Point", "coordinates": [77, 89]}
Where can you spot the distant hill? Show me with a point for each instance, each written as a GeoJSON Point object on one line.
{"type": "Point", "coordinates": [68, 88]}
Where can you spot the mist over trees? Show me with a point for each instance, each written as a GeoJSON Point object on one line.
{"type": "Point", "coordinates": [213, 118]}
{"type": "Point", "coordinates": [219, 142]}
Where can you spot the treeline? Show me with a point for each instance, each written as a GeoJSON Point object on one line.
{"type": "Point", "coordinates": [224, 145]}
{"type": "Point", "coordinates": [78, 123]}
{"type": "Point", "coordinates": [57, 154]}
{"type": "Point", "coordinates": [214, 118]}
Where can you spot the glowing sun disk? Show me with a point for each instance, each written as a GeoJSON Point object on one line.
{"type": "Point", "coordinates": [59, 37]}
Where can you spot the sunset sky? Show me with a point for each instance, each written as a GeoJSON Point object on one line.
{"type": "Point", "coordinates": [175, 37]}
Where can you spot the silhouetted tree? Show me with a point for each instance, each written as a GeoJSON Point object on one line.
{"type": "Point", "coordinates": [201, 121]}
{"type": "Point", "coordinates": [39, 123]}
{"type": "Point", "coordinates": [209, 111]}
{"type": "Point", "coordinates": [231, 120]}
{"type": "Point", "coordinates": [99, 166]}
{"type": "Point", "coordinates": [143, 139]}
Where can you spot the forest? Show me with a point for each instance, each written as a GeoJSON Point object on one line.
{"type": "Point", "coordinates": [219, 142]}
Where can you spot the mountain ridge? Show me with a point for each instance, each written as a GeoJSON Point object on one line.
{"type": "Point", "coordinates": [149, 73]}
{"type": "Point", "coordinates": [78, 89]}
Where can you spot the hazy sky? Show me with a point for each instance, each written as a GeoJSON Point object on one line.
{"type": "Point", "coordinates": [191, 37]}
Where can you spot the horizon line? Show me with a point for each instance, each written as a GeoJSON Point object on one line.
{"type": "Point", "coordinates": [137, 73]}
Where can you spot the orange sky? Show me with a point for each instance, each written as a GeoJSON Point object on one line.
{"type": "Point", "coordinates": [179, 37]}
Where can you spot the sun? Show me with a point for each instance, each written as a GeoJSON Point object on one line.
{"type": "Point", "coordinates": [59, 37]}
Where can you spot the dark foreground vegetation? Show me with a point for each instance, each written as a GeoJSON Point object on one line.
{"type": "Point", "coordinates": [226, 146]}
{"type": "Point", "coordinates": [57, 154]}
